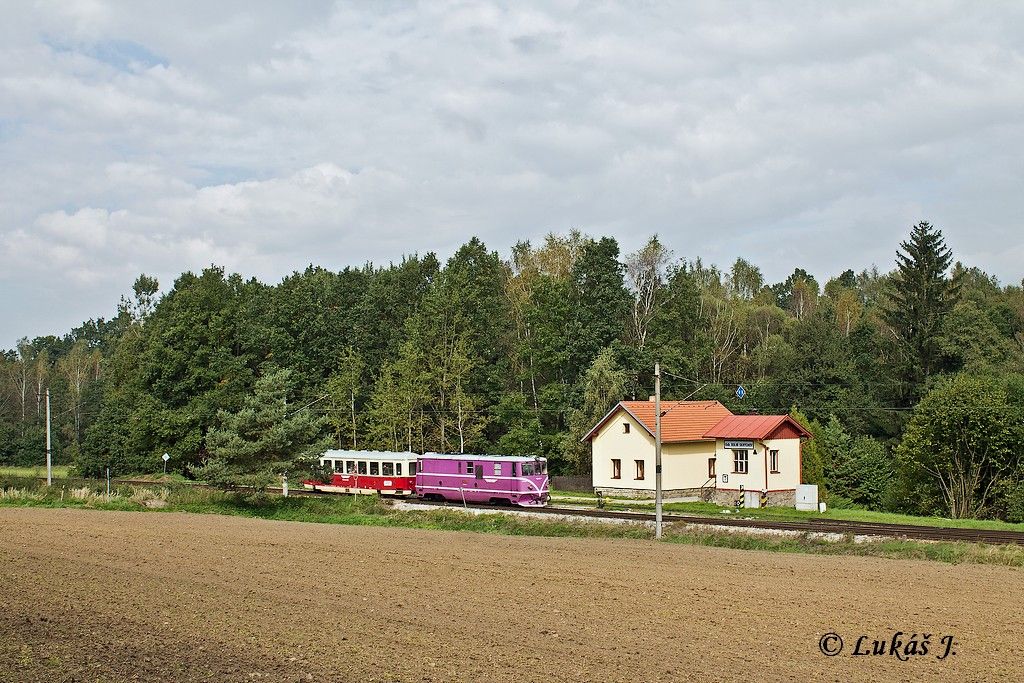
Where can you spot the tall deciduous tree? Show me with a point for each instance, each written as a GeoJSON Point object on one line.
{"type": "Point", "coordinates": [962, 440]}
{"type": "Point", "coordinates": [342, 389]}
{"type": "Point", "coordinates": [603, 386]}
{"type": "Point", "coordinates": [645, 274]}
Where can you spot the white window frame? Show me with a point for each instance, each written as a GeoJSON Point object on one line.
{"type": "Point", "coordinates": [737, 461]}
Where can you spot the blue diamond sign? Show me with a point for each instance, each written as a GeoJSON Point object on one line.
{"type": "Point", "coordinates": [740, 391]}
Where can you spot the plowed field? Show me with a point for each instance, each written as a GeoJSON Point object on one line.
{"type": "Point", "coordinates": [105, 596]}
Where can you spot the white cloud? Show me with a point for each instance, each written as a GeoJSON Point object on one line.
{"type": "Point", "coordinates": [144, 137]}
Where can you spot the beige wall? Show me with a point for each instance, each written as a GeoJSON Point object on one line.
{"type": "Point", "coordinates": [788, 476]}
{"type": "Point", "coordinates": [684, 465]}
{"type": "Point", "coordinates": [610, 442]}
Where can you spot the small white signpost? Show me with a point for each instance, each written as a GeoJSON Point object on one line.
{"type": "Point", "coordinates": [166, 458]}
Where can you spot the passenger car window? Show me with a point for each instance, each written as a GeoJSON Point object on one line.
{"type": "Point", "coordinates": [412, 469]}
{"type": "Point", "coordinates": [388, 469]}
{"type": "Point", "coordinates": [362, 467]}
{"type": "Point", "coordinates": [398, 469]}
{"type": "Point", "coordinates": [350, 466]}
{"type": "Point", "coordinates": [374, 468]}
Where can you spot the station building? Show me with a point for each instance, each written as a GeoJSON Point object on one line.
{"type": "Point", "coordinates": [707, 452]}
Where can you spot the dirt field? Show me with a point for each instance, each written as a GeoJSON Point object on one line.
{"type": "Point", "coordinates": [104, 596]}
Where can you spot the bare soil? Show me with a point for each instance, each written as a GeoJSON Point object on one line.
{"type": "Point", "coordinates": [109, 596]}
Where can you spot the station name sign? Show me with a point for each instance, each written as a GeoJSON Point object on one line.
{"type": "Point", "coordinates": [739, 445]}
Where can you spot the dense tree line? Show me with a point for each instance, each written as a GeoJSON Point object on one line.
{"type": "Point", "coordinates": [912, 380]}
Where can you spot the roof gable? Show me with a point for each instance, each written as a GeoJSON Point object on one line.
{"type": "Point", "coordinates": [681, 420]}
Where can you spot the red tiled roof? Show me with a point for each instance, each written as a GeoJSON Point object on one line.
{"type": "Point", "coordinates": [752, 427]}
{"type": "Point", "coordinates": [681, 420]}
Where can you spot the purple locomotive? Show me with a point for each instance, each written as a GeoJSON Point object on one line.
{"type": "Point", "coordinates": [494, 479]}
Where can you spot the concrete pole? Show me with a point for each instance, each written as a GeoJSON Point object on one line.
{"type": "Point", "coordinates": [657, 450]}
{"type": "Point", "coordinates": [49, 467]}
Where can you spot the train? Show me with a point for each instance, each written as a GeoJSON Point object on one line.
{"type": "Point", "coordinates": [492, 479]}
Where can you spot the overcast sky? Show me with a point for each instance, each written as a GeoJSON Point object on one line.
{"type": "Point", "coordinates": [161, 137]}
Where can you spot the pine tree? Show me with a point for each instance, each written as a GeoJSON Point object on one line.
{"type": "Point", "coordinates": [920, 296]}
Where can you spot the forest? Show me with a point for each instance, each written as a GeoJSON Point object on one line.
{"type": "Point", "coordinates": [911, 379]}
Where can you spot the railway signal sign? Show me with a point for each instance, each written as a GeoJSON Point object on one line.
{"type": "Point", "coordinates": [740, 391]}
{"type": "Point", "coordinates": [166, 458]}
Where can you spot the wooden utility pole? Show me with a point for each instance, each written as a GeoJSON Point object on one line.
{"type": "Point", "coordinates": [657, 450]}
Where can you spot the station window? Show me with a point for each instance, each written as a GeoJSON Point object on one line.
{"type": "Point", "coordinates": [374, 469]}
{"type": "Point", "coordinates": [616, 468]}
{"type": "Point", "coordinates": [412, 469]}
{"type": "Point", "coordinates": [773, 461]}
{"type": "Point", "coordinates": [639, 469]}
{"type": "Point", "coordinates": [625, 428]}
{"type": "Point", "coordinates": [711, 468]}
{"type": "Point", "coordinates": [398, 469]}
{"type": "Point", "coordinates": [350, 466]}
{"type": "Point", "coordinates": [497, 469]}
{"type": "Point", "coordinates": [362, 467]}
{"type": "Point", "coordinates": [388, 469]}
{"type": "Point", "coordinates": [739, 462]}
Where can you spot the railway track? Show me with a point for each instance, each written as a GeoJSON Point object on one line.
{"type": "Point", "coordinates": [827, 526]}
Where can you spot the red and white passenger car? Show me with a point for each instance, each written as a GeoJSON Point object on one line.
{"type": "Point", "coordinates": [369, 472]}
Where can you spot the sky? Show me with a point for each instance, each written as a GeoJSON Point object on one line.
{"type": "Point", "coordinates": [158, 137]}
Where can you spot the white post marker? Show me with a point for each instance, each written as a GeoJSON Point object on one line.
{"type": "Point", "coordinates": [166, 458]}
{"type": "Point", "coordinates": [284, 485]}
{"type": "Point", "coordinates": [49, 469]}
{"type": "Point", "coordinates": [657, 450]}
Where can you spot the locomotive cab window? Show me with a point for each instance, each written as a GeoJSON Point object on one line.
{"type": "Point", "coordinates": [374, 468]}
{"type": "Point", "coordinates": [388, 469]}
{"type": "Point", "coordinates": [362, 467]}
{"type": "Point", "coordinates": [528, 469]}
{"type": "Point", "coordinates": [513, 468]}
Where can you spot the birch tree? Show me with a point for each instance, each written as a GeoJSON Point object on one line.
{"type": "Point", "coordinates": [645, 275]}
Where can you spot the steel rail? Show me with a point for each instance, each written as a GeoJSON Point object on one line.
{"type": "Point", "coordinates": [828, 526]}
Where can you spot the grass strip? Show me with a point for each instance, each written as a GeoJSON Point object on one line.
{"type": "Point", "coordinates": [372, 511]}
